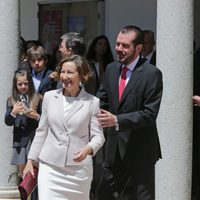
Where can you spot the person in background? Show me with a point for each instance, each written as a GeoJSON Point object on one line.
{"type": "Point", "coordinates": [67, 137]}
{"type": "Point", "coordinates": [22, 112]}
{"type": "Point", "coordinates": [72, 44]}
{"type": "Point", "coordinates": [33, 43]}
{"type": "Point", "coordinates": [130, 98]}
{"type": "Point", "coordinates": [148, 47]}
{"type": "Point", "coordinates": [37, 56]}
{"type": "Point", "coordinates": [100, 55]}
{"type": "Point", "coordinates": [36, 43]}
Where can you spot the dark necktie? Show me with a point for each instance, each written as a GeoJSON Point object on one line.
{"type": "Point", "coordinates": [122, 82]}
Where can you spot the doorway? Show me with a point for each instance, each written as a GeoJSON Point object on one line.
{"type": "Point", "coordinates": [57, 18]}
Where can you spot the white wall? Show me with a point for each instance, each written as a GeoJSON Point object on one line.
{"type": "Point", "coordinates": [118, 13]}
{"type": "Point", "coordinates": [28, 19]}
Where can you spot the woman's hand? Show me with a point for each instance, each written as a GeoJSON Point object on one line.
{"type": "Point", "coordinates": [29, 169]}
{"type": "Point", "coordinates": [81, 155]}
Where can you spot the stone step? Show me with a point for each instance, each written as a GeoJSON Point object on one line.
{"type": "Point", "coordinates": [9, 193]}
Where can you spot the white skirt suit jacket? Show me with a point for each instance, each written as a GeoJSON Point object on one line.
{"type": "Point", "coordinates": [59, 136]}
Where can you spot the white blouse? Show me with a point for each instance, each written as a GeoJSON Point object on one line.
{"type": "Point", "coordinates": [67, 103]}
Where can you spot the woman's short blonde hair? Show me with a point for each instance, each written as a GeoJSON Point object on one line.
{"type": "Point", "coordinates": [81, 64]}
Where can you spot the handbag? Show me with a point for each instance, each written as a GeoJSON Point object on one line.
{"type": "Point", "coordinates": [28, 184]}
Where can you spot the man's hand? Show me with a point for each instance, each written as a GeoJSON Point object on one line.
{"type": "Point", "coordinates": [106, 119]}
{"type": "Point", "coordinates": [196, 100]}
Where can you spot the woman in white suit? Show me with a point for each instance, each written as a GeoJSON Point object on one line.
{"type": "Point", "coordinates": [67, 137]}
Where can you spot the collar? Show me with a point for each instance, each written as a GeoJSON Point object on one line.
{"type": "Point", "coordinates": [38, 74]}
{"type": "Point", "coordinates": [132, 65]}
{"type": "Point", "coordinates": [80, 94]}
{"type": "Point", "coordinates": [148, 57]}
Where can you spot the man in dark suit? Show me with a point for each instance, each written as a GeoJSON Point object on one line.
{"type": "Point", "coordinates": [148, 47]}
{"type": "Point", "coordinates": [37, 57]}
{"type": "Point", "coordinates": [132, 146]}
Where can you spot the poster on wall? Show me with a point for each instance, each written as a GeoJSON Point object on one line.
{"type": "Point", "coordinates": [52, 29]}
{"type": "Point", "coordinates": [76, 24]}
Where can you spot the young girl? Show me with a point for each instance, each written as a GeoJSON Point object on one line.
{"type": "Point", "coordinates": [22, 112]}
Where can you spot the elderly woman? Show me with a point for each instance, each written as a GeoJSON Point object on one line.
{"type": "Point", "coordinates": [67, 137]}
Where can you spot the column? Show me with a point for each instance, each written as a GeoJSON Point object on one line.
{"type": "Point", "coordinates": [175, 59]}
{"type": "Point", "coordinates": [9, 36]}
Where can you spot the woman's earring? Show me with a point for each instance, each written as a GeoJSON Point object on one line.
{"type": "Point", "coordinates": [80, 84]}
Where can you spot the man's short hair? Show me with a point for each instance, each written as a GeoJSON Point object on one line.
{"type": "Point", "coordinates": [74, 41]}
{"type": "Point", "coordinates": [37, 52]}
{"type": "Point", "coordinates": [139, 33]}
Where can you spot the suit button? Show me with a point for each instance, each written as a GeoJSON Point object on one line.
{"type": "Point", "coordinates": [67, 133]}
{"type": "Point", "coordinates": [59, 143]}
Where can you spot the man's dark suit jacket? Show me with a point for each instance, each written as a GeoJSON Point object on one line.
{"type": "Point", "coordinates": [46, 83]}
{"type": "Point", "coordinates": [153, 59]}
{"type": "Point", "coordinates": [137, 138]}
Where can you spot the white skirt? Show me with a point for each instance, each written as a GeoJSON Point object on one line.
{"type": "Point", "coordinates": [68, 183]}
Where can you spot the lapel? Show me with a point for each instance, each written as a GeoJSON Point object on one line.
{"type": "Point", "coordinates": [133, 79]}
{"type": "Point", "coordinates": [44, 80]}
{"type": "Point", "coordinates": [115, 83]}
{"type": "Point", "coordinates": [77, 104]}
{"type": "Point", "coordinates": [153, 59]}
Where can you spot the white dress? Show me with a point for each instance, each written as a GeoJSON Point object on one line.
{"type": "Point", "coordinates": [69, 183]}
